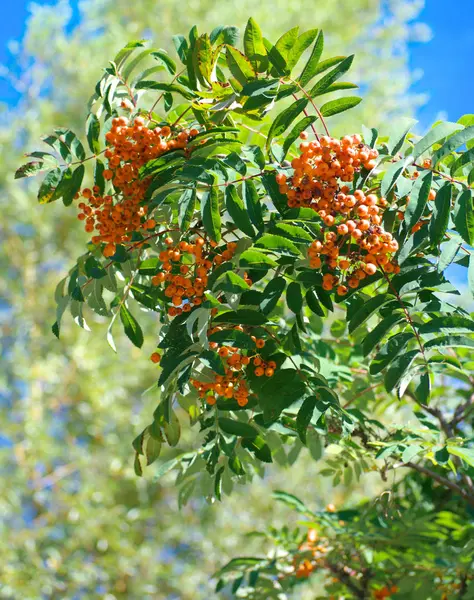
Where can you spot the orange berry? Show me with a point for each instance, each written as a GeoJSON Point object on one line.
{"type": "Point", "coordinates": [259, 371]}
{"type": "Point", "coordinates": [260, 343]}
{"type": "Point", "coordinates": [109, 250]}
{"type": "Point", "coordinates": [370, 269]}
{"type": "Point", "coordinates": [269, 372]}
{"type": "Point", "coordinates": [155, 357]}
{"type": "Point", "coordinates": [342, 290]}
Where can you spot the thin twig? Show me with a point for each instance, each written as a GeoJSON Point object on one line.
{"type": "Point", "coordinates": [441, 480]}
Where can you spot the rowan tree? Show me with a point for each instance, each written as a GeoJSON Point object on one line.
{"type": "Point", "coordinates": [297, 287]}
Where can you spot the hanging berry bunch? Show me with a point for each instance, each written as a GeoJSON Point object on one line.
{"type": "Point", "coordinates": [185, 269]}
{"type": "Point", "coordinates": [131, 144]}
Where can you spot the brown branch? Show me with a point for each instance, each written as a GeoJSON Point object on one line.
{"type": "Point", "coordinates": [313, 105]}
{"type": "Point", "coordinates": [442, 481]}
{"type": "Point", "coordinates": [345, 579]}
{"type": "Point", "coordinates": [436, 172]}
{"type": "Point", "coordinates": [407, 315]}
{"type": "Point", "coordinates": [306, 114]}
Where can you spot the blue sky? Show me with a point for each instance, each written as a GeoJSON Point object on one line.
{"type": "Point", "coordinates": [444, 61]}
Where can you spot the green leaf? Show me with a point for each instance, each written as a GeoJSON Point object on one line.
{"type": "Point", "coordinates": [393, 173]}
{"type": "Point", "coordinates": [291, 501]}
{"type": "Point", "coordinates": [466, 454]}
{"type": "Point", "coordinates": [394, 346]}
{"type": "Point", "coordinates": [126, 51]}
{"type": "Point", "coordinates": [239, 339]}
{"type": "Point", "coordinates": [232, 283]}
{"type": "Point", "coordinates": [235, 208]}
{"type": "Point", "coordinates": [131, 326]}
{"type": "Point", "coordinates": [293, 232]}
{"type": "Point", "coordinates": [309, 70]}
{"type": "Point", "coordinates": [204, 59]}
{"type": "Point", "coordinates": [93, 132]}
{"type": "Point", "coordinates": [69, 185]}
{"type": "Point", "coordinates": [367, 310]}
{"type": "Point", "coordinates": [165, 87]}
{"type": "Point", "coordinates": [398, 368]}
{"type": "Point", "coordinates": [94, 269]}
{"type": "Point", "coordinates": [294, 297]}
{"type": "Point", "coordinates": [253, 259]}
{"type": "Point", "coordinates": [450, 341]}
{"type": "Point", "coordinates": [374, 337]}
{"type": "Point", "coordinates": [423, 389]}
{"type": "Point", "coordinates": [303, 42]}
{"type": "Point", "coordinates": [397, 134]}
{"type": "Point", "coordinates": [287, 42]}
{"type": "Point", "coordinates": [277, 244]}
{"type": "Point", "coordinates": [304, 415]}
{"type": "Point", "coordinates": [181, 45]}
{"type": "Point", "coordinates": [340, 105]}
{"type": "Point", "coordinates": [312, 302]}
{"type": "Point", "coordinates": [418, 199]}
{"type": "Point", "coordinates": [279, 200]}
{"type": "Point", "coordinates": [242, 316]}
{"type": "Point", "coordinates": [239, 65]}
{"type": "Point", "coordinates": [464, 216]}
{"type": "Point", "coordinates": [452, 144]}
{"type": "Point", "coordinates": [466, 158]}
{"type": "Point", "coordinates": [46, 192]}
{"type": "Point", "coordinates": [341, 85]}
{"type": "Point", "coordinates": [254, 47]}
{"type": "Point", "coordinates": [284, 120]}
{"type": "Point", "coordinates": [440, 217]}
{"type": "Point", "coordinates": [211, 216]}
{"type": "Point", "coordinates": [213, 361]}
{"type": "Point", "coordinates": [186, 206]}
{"type": "Point", "coordinates": [237, 428]}
{"type": "Point", "coordinates": [252, 203]}
{"type": "Point", "coordinates": [294, 134]}
{"type": "Point", "coordinates": [448, 324]}
{"type": "Point", "coordinates": [272, 294]}
{"type": "Point", "coordinates": [448, 253]}
{"type": "Point", "coordinates": [259, 448]}
{"type": "Point", "coordinates": [162, 57]}
{"type": "Point", "coordinates": [31, 169]}
{"type": "Point", "coordinates": [328, 79]}
{"type": "Point", "coordinates": [152, 450]}
{"type": "Point", "coordinates": [434, 135]}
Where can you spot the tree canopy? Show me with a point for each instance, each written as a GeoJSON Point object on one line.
{"type": "Point", "coordinates": [216, 186]}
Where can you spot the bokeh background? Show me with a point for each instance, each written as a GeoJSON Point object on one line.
{"type": "Point", "coordinates": [75, 521]}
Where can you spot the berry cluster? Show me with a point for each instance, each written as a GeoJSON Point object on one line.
{"type": "Point", "coordinates": [185, 271]}
{"type": "Point", "coordinates": [314, 547]}
{"type": "Point", "coordinates": [321, 166]}
{"type": "Point", "coordinates": [130, 146]}
{"type": "Point", "coordinates": [233, 384]}
{"type": "Point", "coordinates": [354, 244]}
{"type": "Point", "coordinates": [385, 592]}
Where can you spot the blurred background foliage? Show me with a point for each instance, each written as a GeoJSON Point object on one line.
{"type": "Point", "coordinates": [75, 520]}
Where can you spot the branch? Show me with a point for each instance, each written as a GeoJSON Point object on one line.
{"type": "Point", "coordinates": [442, 481]}
{"type": "Point", "coordinates": [345, 579]}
